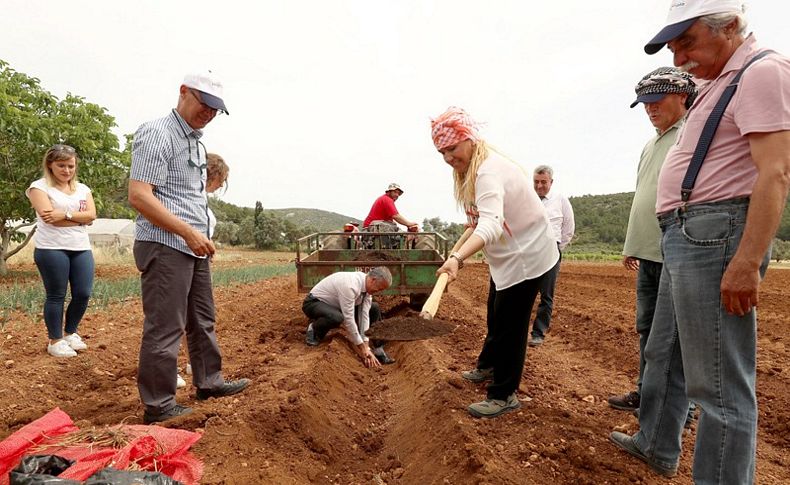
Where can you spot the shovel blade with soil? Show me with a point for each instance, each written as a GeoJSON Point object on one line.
{"type": "Point", "coordinates": [409, 327]}
{"type": "Point", "coordinates": [423, 325]}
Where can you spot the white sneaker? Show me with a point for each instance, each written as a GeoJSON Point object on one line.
{"type": "Point", "coordinates": [75, 342]}
{"type": "Point", "coordinates": [180, 382]}
{"type": "Point", "coordinates": [61, 349]}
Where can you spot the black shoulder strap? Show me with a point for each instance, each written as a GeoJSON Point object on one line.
{"type": "Point", "coordinates": [709, 130]}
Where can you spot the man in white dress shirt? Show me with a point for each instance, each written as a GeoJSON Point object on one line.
{"type": "Point", "coordinates": [346, 298]}
{"type": "Point", "coordinates": [560, 213]}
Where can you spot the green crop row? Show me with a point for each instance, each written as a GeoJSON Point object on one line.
{"type": "Point", "coordinates": [29, 298]}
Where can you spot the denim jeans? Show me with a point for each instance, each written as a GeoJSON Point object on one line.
{"type": "Point", "coordinates": [647, 280]}
{"type": "Point", "coordinates": [60, 268]}
{"type": "Point", "coordinates": [697, 349]}
{"type": "Point", "coordinates": [546, 305]}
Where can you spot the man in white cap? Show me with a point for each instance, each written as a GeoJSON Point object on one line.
{"type": "Point", "coordinates": [383, 215]}
{"type": "Point", "coordinates": [720, 197]}
{"type": "Point", "coordinates": [167, 186]}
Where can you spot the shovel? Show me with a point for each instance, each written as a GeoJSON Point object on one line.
{"type": "Point", "coordinates": [420, 327]}
{"type": "Point", "coordinates": [432, 303]}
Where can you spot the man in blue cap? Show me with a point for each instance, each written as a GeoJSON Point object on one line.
{"type": "Point", "coordinates": [172, 247]}
{"type": "Point", "coordinates": [720, 196]}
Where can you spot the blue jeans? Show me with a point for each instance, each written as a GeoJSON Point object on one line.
{"type": "Point", "coordinates": [697, 349]}
{"type": "Point", "coordinates": [543, 314]}
{"type": "Point", "coordinates": [647, 281]}
{"type": "Point", "coordinates": [60, 268]}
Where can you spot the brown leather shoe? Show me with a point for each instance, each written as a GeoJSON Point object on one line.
{"type": "Point", "coordinates": [626, 402]}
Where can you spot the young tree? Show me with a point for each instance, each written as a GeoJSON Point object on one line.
{"type": "Point", "coordinates": [31, 120]}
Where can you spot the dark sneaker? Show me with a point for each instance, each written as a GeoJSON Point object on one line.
{"type": "Point", "coordinates": [626, 402]}
{"type": "Point", "coordinates": [174, 412]}
{"type": "Point", "coordinates": [382, 356]}
{"type": "Point", "coordinates": [491, 408]}
{"type": "Point", "coordinates": [309, 337]}
{"type": "Point", "coordinates": [536, 341]}
{"type": "Point", "coordinates": [478, 375]}
{"type": "Point", "coordinates": [228, 389]}
{"type": "Point", "coordinates": [626, 443]}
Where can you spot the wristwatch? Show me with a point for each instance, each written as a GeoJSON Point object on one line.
{"type": "Point", "coordinates": [68, 215]}
{"type": "Point", "coordinates": [458, 258]}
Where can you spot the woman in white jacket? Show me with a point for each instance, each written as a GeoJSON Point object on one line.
{"type": "Point", "coordinates": [511, 227]}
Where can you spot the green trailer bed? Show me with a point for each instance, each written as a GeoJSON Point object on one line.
{"type": "Point", "coordinates": [413, 270]}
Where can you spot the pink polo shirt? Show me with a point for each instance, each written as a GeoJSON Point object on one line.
{"type": "Point", "coordinates": [761, 105]}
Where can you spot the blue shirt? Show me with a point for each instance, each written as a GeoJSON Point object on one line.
{"type": "Point", "coordinates": [167, 154]}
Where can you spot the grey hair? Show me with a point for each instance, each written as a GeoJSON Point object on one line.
{"type": "Point", "coordinates": [381, 273]}
{"type": "Point", "coordinates": [717, 21]}
{"type": "Point", "coordinates": [544, 169]}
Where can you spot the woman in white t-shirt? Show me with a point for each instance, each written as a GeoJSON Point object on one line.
{"type": "Point", "coordinates": [511, 227]}
{"type": "Point", "coordinates": [63, 252]}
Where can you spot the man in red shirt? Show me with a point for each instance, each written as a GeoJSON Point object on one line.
{"type": "Point", "coordinates": [384, 210]}
{"type": "Point", "coordinates": [383, 217]}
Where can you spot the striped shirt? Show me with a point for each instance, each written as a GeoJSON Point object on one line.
{"type": "Point", "coordinates": [167, 154]}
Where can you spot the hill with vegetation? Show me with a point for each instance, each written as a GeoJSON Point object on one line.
{"type": "Point", "coordinates": [320, 220]}
{"type": "Point", "coordinates": [601, 222]}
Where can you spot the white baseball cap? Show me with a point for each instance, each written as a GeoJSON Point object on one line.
{"type": "Point", "coordinates": [683, 13]}
{"type": "Point", "coordinates": [210, 88]}
{"type": "Point", "coordinates": [394, 186]}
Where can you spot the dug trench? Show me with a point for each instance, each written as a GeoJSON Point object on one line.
{"type": "Point", "coordinates": [316, 415]}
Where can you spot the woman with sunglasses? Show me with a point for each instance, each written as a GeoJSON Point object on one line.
{"type": "Point", "coordinates": [512, 229]}
{"type": "Point", "coordinates": [63, 252]}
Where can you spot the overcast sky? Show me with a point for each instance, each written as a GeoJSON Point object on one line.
{"type": "Point", "coordinates": [330, 101]}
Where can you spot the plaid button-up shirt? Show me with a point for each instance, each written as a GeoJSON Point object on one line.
{"type": "Point", "coordinates": [167, 154]}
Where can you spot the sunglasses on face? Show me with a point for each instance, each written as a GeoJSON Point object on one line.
{"type": "Point", "coordinates": [202, 104]}
{"type": "Point", "coordinates": [63, 148]}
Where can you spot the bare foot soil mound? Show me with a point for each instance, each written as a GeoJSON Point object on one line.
{"type": "Point", "coordinates": [317, 415]}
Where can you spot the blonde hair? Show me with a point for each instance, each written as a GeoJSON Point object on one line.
{"type": "Point", "coordinates": [57, 153]}
{"type": "Point", "coordinates": [465, 182]}
{"type": "Point", "coordinates": [216, 168]}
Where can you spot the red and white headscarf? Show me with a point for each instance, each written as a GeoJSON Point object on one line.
{"type": "Point", "coordinates": [452, 127]}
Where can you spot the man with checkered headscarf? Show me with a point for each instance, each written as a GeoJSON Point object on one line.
{"type": "Point", "coordinates": [666, 94]}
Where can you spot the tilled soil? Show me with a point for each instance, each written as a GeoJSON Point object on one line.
{"type": "Point", "coordinates": [317, 415]}
{"type": "Point", "coordinates": [410, 326]}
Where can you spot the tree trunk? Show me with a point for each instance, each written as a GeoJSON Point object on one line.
{"type": "Point", "coordinates": [5, 241]}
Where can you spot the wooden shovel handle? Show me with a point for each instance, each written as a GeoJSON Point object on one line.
{"type": "Point", "coordinates": [432, 303]}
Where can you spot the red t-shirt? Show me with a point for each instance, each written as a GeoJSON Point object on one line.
{"type": "Point", "coordinates": [383, 210]}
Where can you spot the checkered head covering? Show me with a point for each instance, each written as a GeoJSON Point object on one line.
{"type": "Point", "coordinates": [452, 127]}
{"type": "Point", "coordinates": [664, 80]}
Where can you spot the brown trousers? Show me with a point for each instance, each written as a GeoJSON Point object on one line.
{"type": "Point", "coordinates": [177, 297]}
